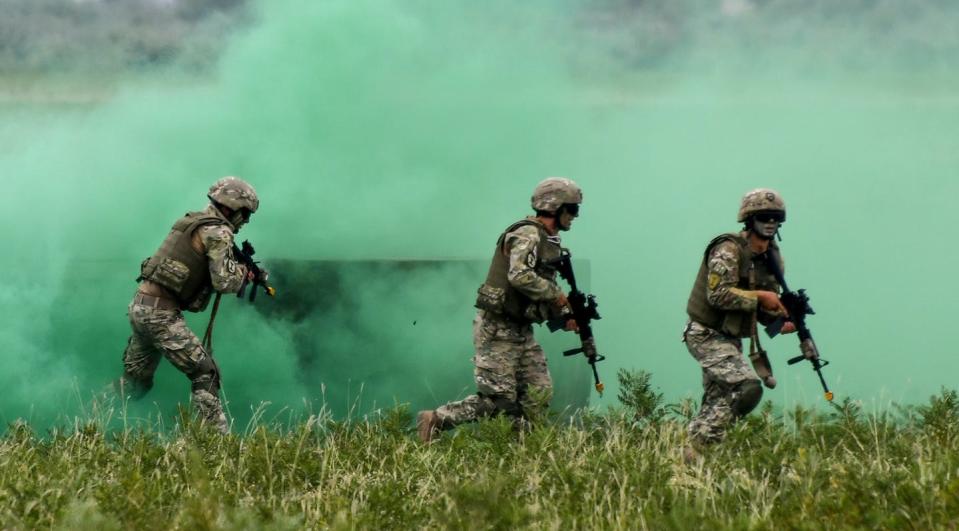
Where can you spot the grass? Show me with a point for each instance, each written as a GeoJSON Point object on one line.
{"type": "Point", "coordinates": [617, 470]}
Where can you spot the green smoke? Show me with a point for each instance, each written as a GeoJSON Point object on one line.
{"type": "Point", "coordinates": [415, 130]}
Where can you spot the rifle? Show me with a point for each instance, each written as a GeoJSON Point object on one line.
{"type": "Point", "coordinates": [260, 278]}
{"type": "Point", "coordinates": [797, 304]}
{"type": "Point", "coordinates": [583, 312]}
{"type": "Point", "coordinates": [244, 255]}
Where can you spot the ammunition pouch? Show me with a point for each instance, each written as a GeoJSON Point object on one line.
{"type": "Point", "coordinates": [491, 299]}
{"type": "Point", "coordinates": [499, 302]}
{"type": "Point", "coordinates": [169, 273]}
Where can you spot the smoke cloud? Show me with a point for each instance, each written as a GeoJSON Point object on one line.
{"type": "Point", "coordinates": [383, 131]}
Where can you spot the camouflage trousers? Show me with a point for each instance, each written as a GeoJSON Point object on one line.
{"type": "Point", "coordinates": [725, 369]}
{"type": "Point", "coordinates": [511, 374]}
{"type": "Point", "coordinates": [164, 333]}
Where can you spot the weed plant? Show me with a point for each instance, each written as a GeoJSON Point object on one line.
{"type": "Point", "coordinates": [620, 469]}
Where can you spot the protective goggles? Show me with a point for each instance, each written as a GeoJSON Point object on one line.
{"type": "Point", "coordinates": [770, 216]}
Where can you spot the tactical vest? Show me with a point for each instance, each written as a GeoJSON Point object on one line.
{"type": "Point", "coordinates": [754, 274]}
{"type": "Point", "coordinates": [498, 296]}
{"type": "Point", "coordinates": [178, 267]}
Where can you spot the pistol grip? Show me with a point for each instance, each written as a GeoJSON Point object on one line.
{"type": "Point", "coordinates": [774, 328]}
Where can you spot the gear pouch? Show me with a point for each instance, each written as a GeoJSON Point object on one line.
{"type": "Point", "coordinates": [171, 273]}
{"type": "Point", "coordinates": [490, 299]}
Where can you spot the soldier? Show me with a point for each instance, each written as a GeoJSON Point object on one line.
{"type": "Point", "coordinates": [733, 290]}
{"type": "Point", "coordinates": [195, 260]}
{"type": "Point", "coordinates": [520, 289]}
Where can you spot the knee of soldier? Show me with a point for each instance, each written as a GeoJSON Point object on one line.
{"type": "Point", "coordinates": [504, 404]}
{"type": "Point", "coordinates": [748, 395]}
{"type": "Point", "coordinates": [205, 377]}
{"type": "Point", "coordinates": [511, 408]}
{"type": "Point", "coordinates": [495, 387]}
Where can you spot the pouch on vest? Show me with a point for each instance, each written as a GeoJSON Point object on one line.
{"type": "Point", "coordinates": [491, 299]}
{"type": "Point", "coordinates": [144, 273]}
{"type": "Point", "coordinates": [170, 273]}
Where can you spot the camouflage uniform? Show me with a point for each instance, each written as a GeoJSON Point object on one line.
{"type": "Point", "coordinates": [720, 356]}
{"type": "Point", "coordinates": [729, 276]}
{"type": "Point", "coordinates": [159, 329]}
{"type": "Point", "coordinates": [520, 289]}
{"type": "Point", "coordinates": [511, 373]}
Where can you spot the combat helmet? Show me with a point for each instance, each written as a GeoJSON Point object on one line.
{"type": "Point", "coordinates": [761, 200]}
{"type": "Point", "coordinates": [234, 193]}
{"type": "Point", "coordinates": [554, 192]}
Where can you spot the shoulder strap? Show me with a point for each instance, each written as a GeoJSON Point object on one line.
{"type": "Point", "coordinates": [195, 220]}
{"type": "Point", "coordinates": [511, 228]}
{"type": "Point", "coordinates": [729, 236]}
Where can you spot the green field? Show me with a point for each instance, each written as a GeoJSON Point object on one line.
{"type": "Point", "coordinates": [622, 469]}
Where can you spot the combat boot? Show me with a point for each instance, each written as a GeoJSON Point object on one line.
{"type": "Point", "coordinates": [210, 410]}
{"type": "Point", "coordinates": [428, 425]}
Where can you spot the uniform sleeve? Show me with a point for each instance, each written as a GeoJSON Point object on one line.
{"type": "Point", "coordinates": [723, 277]}
{"type": "Point", "coordinates": [522, 244]}
{"type": "Point", "coordinates": [226, 273]}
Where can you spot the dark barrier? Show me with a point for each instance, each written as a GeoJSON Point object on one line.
{"type": "Point", "coordinates": [401, 329]}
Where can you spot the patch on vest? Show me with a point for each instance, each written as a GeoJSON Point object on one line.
{"type": "Point", "coordinates": [531, 258]}
{"type": "Point", "coordinates": [714, 280]}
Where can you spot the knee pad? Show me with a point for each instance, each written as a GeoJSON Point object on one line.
{"type": "Point", "coordinates": [206, 377]}
{"type": "Point", "coordinates": [749, 393]}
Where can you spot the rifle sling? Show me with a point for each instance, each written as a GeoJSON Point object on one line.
{"type": "Point", "coordinates": [208, 336]}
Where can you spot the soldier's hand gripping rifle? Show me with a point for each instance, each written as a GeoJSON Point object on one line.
{"type": "Point", "coordinates": [583, 311]}
{"type": "Point", "coordinates": [797, 304]}
{"type": "Point", "coordinates": [261, 278]}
